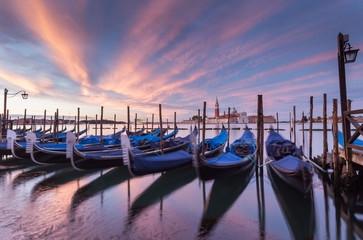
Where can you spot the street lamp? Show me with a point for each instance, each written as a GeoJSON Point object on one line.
{"type": "Point", "coordinates": [24, 95]}
{"type": "Point", "coordinates": [349, 54]}
{"type": "Point", "coordinates": [345, 55]}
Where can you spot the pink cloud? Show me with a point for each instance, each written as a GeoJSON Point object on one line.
{"type": "Point", "coordinates": [23, 83]}
{"type": "Point", "coordinates": [61, 34]}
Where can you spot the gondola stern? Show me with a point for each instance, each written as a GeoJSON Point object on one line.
{"type": "Point", "coordinates": [127, 155]}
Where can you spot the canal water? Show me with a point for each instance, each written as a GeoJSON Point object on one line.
{"type": "Point", "coordinates": [57, 202]}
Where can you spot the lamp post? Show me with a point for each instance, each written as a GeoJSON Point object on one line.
{"type": "Point", "coordinates": [24, 95]}
{"type": "Point", "coordinates": [345, 55]}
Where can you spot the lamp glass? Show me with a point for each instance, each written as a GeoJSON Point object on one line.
{"type": "Point", "coordinates": [350, 55]}
{"type": "Point", "coordinates": [24, 96]}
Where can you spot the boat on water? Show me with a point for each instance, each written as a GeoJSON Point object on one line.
{"type": "Point", "coordinates": [287, 163]}
{"type": "Point", "coordinates": [236, 159]}
{"type": "Point", "coordinates": [141, 164]}
{"type": "Point", "coordinates": [137, 133]}
{"type": "Point", "coordinates": [145, 141]}
{"type": "Point", "coordinates": [45, 153]}
{"type": "Point", "coordinates": [4, 150]}
{"type": "Point", "coordinates": [215, 146]}
{"type": "Point", "coordinates": [358, 142]}
{"type": "Point", "coordinates": [82, 160]}
{"type": "Point", "coordinates": [21, 149]}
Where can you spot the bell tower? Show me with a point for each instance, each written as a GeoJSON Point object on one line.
{"type": "Point", "coordinates": [216, 111]}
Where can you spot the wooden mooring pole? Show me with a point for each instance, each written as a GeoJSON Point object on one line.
{"type": "Point", "coordinates": [303, 128]}
{"type": "Point", "coordinates": [96, 125]}
{"type": "Point", "coordinates": [260, 129]}
{"type": "Point", "coordinates": [229, 129]}
{"type": "Point", "coordinates": [277, 122]}
{"type": "Point", "coordinates": [51, 125]}
{"type": "Point", "coordinates": [147, 125]}
{"type": "Point", "coordinates": [174, 124]}
{"type": "Point", "coordinates": [198, 126]}
{"type": "Point", "coordinates": [204, 117]}
{"type": "Point", "coordinates": [336, 147]}
{"type": "Point", "coordinates": [294, 124]}
{"type": "Point", "coordinates": [135, 122]}
{"type": "Point", "coordinates": [290, 126]}
{"type": "Point", "coordinates": [325, 135]}
{"type": "Point", "coordinates": [24, 122]}
{"type": "Point", "coordinates": [86, 126]}
{"type": "Point", "coordinates": [44, 120]}
{"type": "Point", "coordinates": [167, 126]}
{"type": "Point", "coordinates": [161, 131]}
{"type": "Point", "coordinates": [114, 125]}
{"type": "Point", "coordinates": [101, 126]}
{"type": "Point", "coordinates": [311, 129]}
{"type": "Point", "coordinates": [57, 125]}
{"type": "Point", "coordinates": [152, 123]}
{"type": "Point", "coordinates": [78, 113]}
{"type": "Point", "coordinates": [128, 121]}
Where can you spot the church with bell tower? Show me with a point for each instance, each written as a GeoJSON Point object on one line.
{"type": "Point", "coordinates": [216, 111]}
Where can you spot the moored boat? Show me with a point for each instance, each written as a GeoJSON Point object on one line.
{"type": "Point", "coordinates": [287, 162]}
{"type": "Point", "coordinates": [236, 159]}
{"type": "Point", "coordinates": [82, 160]}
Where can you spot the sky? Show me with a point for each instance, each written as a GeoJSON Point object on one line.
{"type": "Point", "coordinates": [142, 53]}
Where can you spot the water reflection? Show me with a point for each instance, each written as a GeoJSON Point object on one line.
{"type": "Point", "coordinates": [11, 163]}
{"type": "Point", "coordinates": [37, 171]}
{"type": "Point", "coordinates": [113, 177]}
{"type": "Point", "coordinates": [63, 177]}
{"type": "Point", "coordinates": [298, 209]}
{"type": "Point", "coordinates": [260, 190]}
{"type": "Point", "coordinates": [225, 191]}
{"type": "Point", "coordinates": [167, 183]}
{"type": "Point", "coordinates": [348, 208]}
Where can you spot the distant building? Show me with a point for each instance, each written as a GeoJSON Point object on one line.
{"type": "Point", "coordinates": [243, 118]}
{"type": "Point", "coordinates": [235, 117]}
{"type": "Point", "coordinates": [216, 110]}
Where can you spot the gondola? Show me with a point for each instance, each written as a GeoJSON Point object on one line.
{"type": "Point", "coordinates": [141, 164]}
{"type": "Point", "coordinates": [287, 163]}
{"type": "Point", "coordinates": [57, 153]}
{"type": "Point", "coordinates": [341, 140]}
{"type": "Point", "coordinates": [110, 139]}
{"type": "Point", "coordinates": [137, 133]}
{"type": "Point", "coordinates": [40, 133]}
{"type": "Point", "coordinates": [19, 149]}
{"type": "Point", "coordinates": [4, 149]}
{"type": "Point", "coordinates": [298, 208]}
{"type": "Point", "coordinates": [235, 160]}
{"type": "Point", "coordinates": [145, 142]}
{"type": "Point", "coordinates": [112, 158]}
{"type": "Point", "coordinates": [215, 146]}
